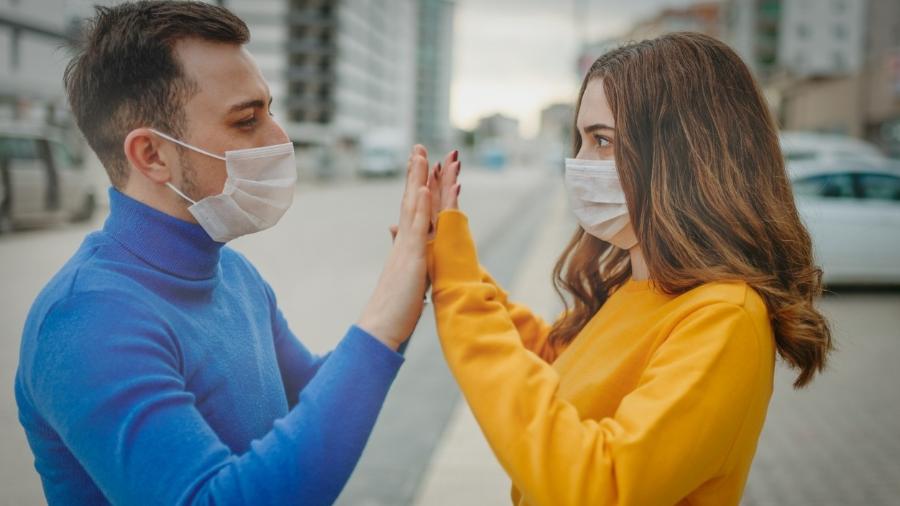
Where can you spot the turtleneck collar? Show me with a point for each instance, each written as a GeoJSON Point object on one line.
{"type": "Point", "coordinates": [167, 243]}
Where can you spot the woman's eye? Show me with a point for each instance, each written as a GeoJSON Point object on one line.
{"type": "Point", "coordinates": [601, 141]}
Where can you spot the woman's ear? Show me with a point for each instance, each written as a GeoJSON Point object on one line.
{"type": "Point", "coordinates": [144, 152]}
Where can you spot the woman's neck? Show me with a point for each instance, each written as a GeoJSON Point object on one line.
{"type": "Point", "coordinates": [639, 270]}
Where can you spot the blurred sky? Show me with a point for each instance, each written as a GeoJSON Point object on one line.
{"type": "Point", "coordinates": [517, 56]}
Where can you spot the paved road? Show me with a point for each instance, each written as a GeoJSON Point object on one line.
{"type": "Point", "coordinates": [323, 261]}
{"type": "Point", "coordinates": [835, 443]}
{"type": "Point", "coordinates": [421, 402]}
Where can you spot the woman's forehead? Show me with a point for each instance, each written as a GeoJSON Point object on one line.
{"type": "Point", "coordinates": [594, 107]}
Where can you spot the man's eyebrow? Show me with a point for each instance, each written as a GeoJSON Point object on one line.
{"type": "Point", "coordinates": [253, 103]}
{"type": "Point", "coordinates": [598, 126]}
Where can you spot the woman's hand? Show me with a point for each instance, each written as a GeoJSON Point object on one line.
{"type": "Point", "coordinates": [394, 309]}
{"type": "Point", "coordinates": [442, 184]}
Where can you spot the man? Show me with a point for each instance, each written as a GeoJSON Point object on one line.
{"type": "Point", "coordinates": [156, 367]}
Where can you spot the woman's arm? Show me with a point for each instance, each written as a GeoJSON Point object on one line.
{"type": "Point", "coordinates": [532, 329]}
{"type": "Point", "coordinates": [674, 432]}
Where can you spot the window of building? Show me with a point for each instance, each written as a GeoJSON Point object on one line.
{"type": "Point", "coordinates": [840, 32]}
{"type": "Point", "coordinates": [15, 48]}
{"type": "Point", "coordinates": [840, 63]}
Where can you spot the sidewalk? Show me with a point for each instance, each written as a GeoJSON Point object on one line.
{"type": "Point", "coordinates": [463, 470]}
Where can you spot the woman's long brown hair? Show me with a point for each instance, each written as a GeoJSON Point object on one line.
{"type": "Point", "coordinates": [698, 155]}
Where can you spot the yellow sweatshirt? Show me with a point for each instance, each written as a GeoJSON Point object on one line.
{"type": "Point", "coordinates": [659, 400]}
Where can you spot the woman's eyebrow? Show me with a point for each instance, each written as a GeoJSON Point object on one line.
{"type": "Point", "coordinates": [598, 126]}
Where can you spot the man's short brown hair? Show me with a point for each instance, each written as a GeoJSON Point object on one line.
{"type": "Point", "coordinates": [125, 75]}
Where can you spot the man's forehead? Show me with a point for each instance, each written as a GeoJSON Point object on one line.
{"type": "Point", "coordinates": [225, 74]}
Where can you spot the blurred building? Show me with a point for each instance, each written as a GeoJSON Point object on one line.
{"type": "Point", "coordinates": [822, 39]}
{"type": "Point", "coordinates": [827, 66]}
{"type": "Point", "coordinates": [881, 70]}
{"type": "Point", "coordinates": [752, 28]}
{"type": "Point", "coordinates": [434, 72]}
{"type": "Point", "coordinates": [592, 50]}
{"type": "Point", "coordinates": [32, 59]}
{"type": "Point", "coordinates": [497, 126]}
{"type": "Point", "coordinates": [557, 121]}
{"type": "Point", "coordinates": [346, 69]}
{"type": "Point", "coordinates": [268, 43]}
{"type": "Point", "coordinates": [555, 133]}
{"type": "Point", "coordinates": [702, 17]}
{"type": "Point", "coordinates": [498, 142]}
{"type": "Point", "coordinates": [354, 74]}
{"type": "Point", "coordinates": [340, 71]}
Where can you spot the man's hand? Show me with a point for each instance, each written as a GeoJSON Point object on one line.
{"type": "Point", "coordinates": [443, 185]}
{"type": "Point", "coordinates": [394, 309]}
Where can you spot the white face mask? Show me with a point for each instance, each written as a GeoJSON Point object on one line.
{"type": "Point", "coordinates": [598, 201]}
{"type": "Point", "coordinates": [258, 190]}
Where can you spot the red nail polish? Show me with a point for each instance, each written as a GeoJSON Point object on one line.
{"type": "Point", "coordinates": [438, 169]}
{"type": "Point", "coordinates": [455, 155]}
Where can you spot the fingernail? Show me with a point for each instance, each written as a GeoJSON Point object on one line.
{"type": "Point", "coordinates": [458, 188]}
{"type": "Point", "coordinates": [455, 155]}
{"type": "Point", "coordinates": [438, 169]}
{"type": "Point", "coordinates": [458, 168]}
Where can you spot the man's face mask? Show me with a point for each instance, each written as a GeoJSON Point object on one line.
{"type": "Point", "coordinates": [258, 190]}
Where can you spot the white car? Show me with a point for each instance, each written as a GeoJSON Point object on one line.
{"type": "Point", "coordinates": [40, 182]}
{"type": "Point", "coordinates": [383, 153]}
{"type": "Point", "coordinates": [802, 146]}
{"type": "Point", "coordinates": [852, 211]}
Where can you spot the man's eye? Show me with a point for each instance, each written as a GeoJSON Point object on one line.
{"type": "Point", "coordinates": [249, 122]}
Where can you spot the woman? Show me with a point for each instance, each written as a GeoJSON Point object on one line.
{"type": "Point", "coordinates": [689, 271]}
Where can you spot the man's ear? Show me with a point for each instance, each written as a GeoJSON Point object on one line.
{"type": "Point", "coordinates": [144, 152]}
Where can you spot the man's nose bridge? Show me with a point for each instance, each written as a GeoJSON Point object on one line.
{"type": "Point", "coordinates": [282, 136]}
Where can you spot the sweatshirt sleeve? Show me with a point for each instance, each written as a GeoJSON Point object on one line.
{"type": "Point", "coordinates": [532, 329]}
{"type": "Point", "coordinates": [107, 377]}
{"type": "Point", "coordinates": [689, 406]}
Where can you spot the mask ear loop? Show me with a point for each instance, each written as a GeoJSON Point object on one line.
{"type": "Point", "coordinates": [194, 148]}
{"type": "Point", "coordinates": [182, 143]}
{"type": "Point", "coordinates": [182, 195]}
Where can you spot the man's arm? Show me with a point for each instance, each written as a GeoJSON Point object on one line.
{"type": "Point", "coordinates": [113, 389]}
{"type": "Point", "coordinates": [296, 363]}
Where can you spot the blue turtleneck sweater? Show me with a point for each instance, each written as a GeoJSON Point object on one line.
{"type": "Point", "coordinates": [156, 368]}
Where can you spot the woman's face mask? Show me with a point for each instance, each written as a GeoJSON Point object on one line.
{"type": "Point", "coordinates": [598, 201]}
